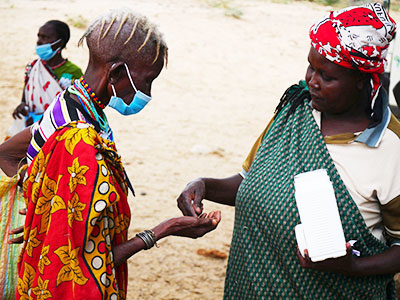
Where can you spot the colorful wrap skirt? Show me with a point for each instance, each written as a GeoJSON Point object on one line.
{"type": "Point", "coordinates": [77, 212]}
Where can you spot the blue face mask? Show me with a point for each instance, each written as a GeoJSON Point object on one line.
{"type": "Point", "coordinates": [45, 52]}
{"type": "Point", "coordinates": [138, 103]}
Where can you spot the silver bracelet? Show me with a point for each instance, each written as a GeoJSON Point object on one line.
{"type": "Point", "coordinates": [149, 238]}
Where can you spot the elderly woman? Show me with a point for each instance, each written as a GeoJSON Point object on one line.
{"type": "Point", "coordinates": [76, 231]}
{"type": "Point", "coordinates": [338, 121]}
{"type": "Point", "coordinates": [48, 75]}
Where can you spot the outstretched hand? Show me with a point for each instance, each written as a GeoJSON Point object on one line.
{"type": "Point", "coordinates": [194, 227]}
{"type": "Point", "coordinates": [343, 265]}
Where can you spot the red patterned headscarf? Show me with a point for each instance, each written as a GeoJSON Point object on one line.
{"type": "Point", "coordinates": [357, 38]}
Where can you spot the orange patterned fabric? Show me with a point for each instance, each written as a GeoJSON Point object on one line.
{"type": "Point", "coordinates": [77, 212]}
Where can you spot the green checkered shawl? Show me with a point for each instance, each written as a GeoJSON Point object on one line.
{"type": "Point", "coordinates": [262, 261]}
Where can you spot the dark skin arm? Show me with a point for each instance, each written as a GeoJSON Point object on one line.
{"type": "Point", "coordinates": [192, 227]}
{"type": "Point", "coordinates": [221, 191]}
{"type": "Point", "coordinates": [13, 151]}
{"type": "Point", "coordinates": [386, 262]}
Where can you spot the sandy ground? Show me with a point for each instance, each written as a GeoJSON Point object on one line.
{"type": "Point", "coordinates": [224, 78]}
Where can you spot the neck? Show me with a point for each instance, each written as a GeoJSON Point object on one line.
{"type": "Point", "coordinates": [56, 60]}
{"type": "Point", "coordinates": [86, 96]}
{"type": "Point", "coordinates": [344, 123]}
{"type": "Point", "coordinates": [97, 87]}
{"type": "Point", "coordinates": [98, 84]}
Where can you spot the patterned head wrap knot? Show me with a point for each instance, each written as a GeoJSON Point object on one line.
{"type": "Point", "coordinates": [357, 38]}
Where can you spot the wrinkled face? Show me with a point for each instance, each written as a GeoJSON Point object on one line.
{"type": "Point", "coordinates": [142, 76]}
{"type": "Point", "coordinates": [47, 35]}
{"type": "Point", "coordinates": [333, 88]}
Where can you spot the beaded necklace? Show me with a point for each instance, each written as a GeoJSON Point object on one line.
{"type": "Point", "coordinates": [92, 94]}
{"type": "Point", "coordinates": [87, 98]}
{"type": "Point", "coordinates": [59, 65]}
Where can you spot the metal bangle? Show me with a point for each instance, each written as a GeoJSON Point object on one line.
{"type": "Point", "coordinates": [148, 237]}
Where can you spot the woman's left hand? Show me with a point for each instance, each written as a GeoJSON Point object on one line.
{"type": "Point", "coordinates": [343, 265]}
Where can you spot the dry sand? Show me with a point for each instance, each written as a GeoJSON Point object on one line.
{"type": "Point", "coordinates": [224, 78]}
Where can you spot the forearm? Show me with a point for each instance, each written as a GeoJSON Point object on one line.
{"type": "Point", "coordinates": [387, 262]}
{"type": "Point", "coordinates": [124, 251]}
{"type": "Point", "coordinates": [222, 191]}
{"type": "Point", "coordinates": [13, 150]}
{"type": "Point", "coordinates": [191, 227]}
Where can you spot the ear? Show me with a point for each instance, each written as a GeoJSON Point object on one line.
{"type": "Point", "coordinates": [63, 44]}
{"type": "Point", "coordinates": [112, 76]}
{"type": "Point", "coordinates": [115, 71]}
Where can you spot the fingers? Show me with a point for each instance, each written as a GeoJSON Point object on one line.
{"type": "Point", "coordinates": [306, 255]}
{"type": "Point", "coordinates": [22, 211]}
{"type": "Point", "coordinates": [185, 205]}
{"type": "Point", "coordinates": [18, 240]}
{"type": "Point", "coordinates": [305, 261]}
{"type": "Point", "coordinates": [196, 202]}
{"type": "Point", "coordinates": [20, 111]}
{"type": "Point", "coordinates": [301, 258]}
{"type": "Point", "coordinates": [349, 249]}
{"type": "Point", "coordinates": [189, 201]}
{"type": "Point", "coordinates": [215, 216]}
{"type": "Point", "coordinates": [17, 230]}
{"type": "Point", "coordinates": [17, 114]}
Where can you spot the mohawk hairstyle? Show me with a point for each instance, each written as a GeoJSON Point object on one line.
{"type": "Point", "coordinates": [123, 34]}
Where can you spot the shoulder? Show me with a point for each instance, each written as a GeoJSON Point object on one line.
{"type": "Point", "coordinates": [293, 97]}
{"type": "Point", "coordinates": [72, 68]}
{"type": "Point", "coordinates": [389, 147]}
{"type": "Point", "coordinates": [394, 126]}
{"type": "Point", "coordinates": [390, 143]}
{"type": "Point", "coordinates": [29, 65]}
{"type": "Point", "coordinates": [32, 62]}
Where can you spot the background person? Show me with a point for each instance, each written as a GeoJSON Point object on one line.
{"type": "Point", "coordinates": [349, 131]}
{"type": "Point", "coordinates": [48, 75]}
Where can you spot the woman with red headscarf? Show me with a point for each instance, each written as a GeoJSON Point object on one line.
{"type": "Point", "coordinates": [337, 120]}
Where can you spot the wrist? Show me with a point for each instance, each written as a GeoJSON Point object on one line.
{"type": "Point", "coordinates": [356, 267]}
{"type": "Point", "coordinates": [202, 182]}
{"type": "Point", "coordinates": [162, 230]}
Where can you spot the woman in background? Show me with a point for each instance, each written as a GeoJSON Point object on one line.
{"type": "Point", "coordinates": [48, 75]}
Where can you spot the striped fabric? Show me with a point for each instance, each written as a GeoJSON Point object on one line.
{"type": "Point", "coordinates": [58, 114]}
{"type": "Point", "coordinates": [11, 201]}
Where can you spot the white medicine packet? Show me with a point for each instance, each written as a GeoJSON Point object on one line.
{"type": "Point", "coordinates": [321, 226]}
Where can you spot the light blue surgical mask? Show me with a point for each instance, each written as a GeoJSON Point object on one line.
{"type": "Point", "coordinates": [45, 52]}
{"type": "Point", "coordinates": [139, 101]}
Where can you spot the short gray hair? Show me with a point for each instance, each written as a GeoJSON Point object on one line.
{"type": "Point", "coordinates": [121, 31]}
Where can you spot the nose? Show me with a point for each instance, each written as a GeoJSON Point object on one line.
{"type": "Point", "coordinates": [313, 81]}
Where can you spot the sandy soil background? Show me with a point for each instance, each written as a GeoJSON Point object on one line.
{"type": "Point", "coordinates": [224, 78]}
